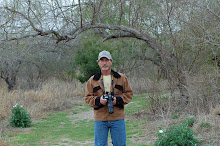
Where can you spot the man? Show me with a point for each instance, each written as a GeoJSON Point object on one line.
{"type": "Point", "coordinates": [99, 86]}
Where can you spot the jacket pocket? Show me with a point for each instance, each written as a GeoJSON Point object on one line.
{"type": "Point", "coordinates": [95, 89]}
{"type": "Point", "coordinates": [118, 90]}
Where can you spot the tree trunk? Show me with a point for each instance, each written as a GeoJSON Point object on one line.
{"type": "Point", "coordinates": [11, 83]}
{"type": "Point", "coordinates": [9, 79]}
{"type": "Point", "coordinates": [9, 72]}
{"type": "Point", "coordinates": [182, 86]}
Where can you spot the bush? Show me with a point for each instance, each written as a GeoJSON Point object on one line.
{"type": "Point", "coordinates": [85, 61]}
{"type": "Point", "coordinates": [205, 125]}
{"type": "Point", "coordinates": [177, 135]}
{"type": "Point", "coordinates": [189, 121]}
{"type": "Point", "coordinates": [174, 116]}
{"type": "Point", "coordinates": [19, 117]}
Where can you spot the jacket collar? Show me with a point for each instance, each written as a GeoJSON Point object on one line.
{"type": "Point", "coordinates": [98, 75]}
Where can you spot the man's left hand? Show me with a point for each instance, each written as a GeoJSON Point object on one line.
{"type": "Point", "coordinates": [114, 101]}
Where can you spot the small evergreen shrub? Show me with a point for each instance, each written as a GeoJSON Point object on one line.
{"type": "Point", "coordinates": [189, 121]}
{"type": "Point", "coordinates": [205, 125]}
{"type": "Point", "coordinates": [174, 116]}
{"type": "Point", "coordinates": [19, 117]}
{"type": "Point", "coordinates": [177, 135]}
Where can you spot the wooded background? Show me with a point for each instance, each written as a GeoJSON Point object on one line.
{"type": "Point", "coordinates": [159, 44]}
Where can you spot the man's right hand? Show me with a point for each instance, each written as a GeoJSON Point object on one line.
{"type": "Point", "coordinates": [103, 101]}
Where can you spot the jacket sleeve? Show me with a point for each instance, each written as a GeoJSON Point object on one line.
{"type": "Point", "coordinates": [90, 99]}
{"type": "Point", "coordinates": [89, 96]}
{"type": "Point", "coordinates": [127, 94]}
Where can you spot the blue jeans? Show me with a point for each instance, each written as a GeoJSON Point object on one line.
{"type": "Point", "coordinates": [117, 130]}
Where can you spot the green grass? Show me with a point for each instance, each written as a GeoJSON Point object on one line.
{"type": "Point", "coordinates": [137, 104]}
{"type": "Point", "coordinates": [58, 128]}
{"type": "Point", "coordinates": [134, 128]}
{"type": "Point", "coordinates": [54, 128]}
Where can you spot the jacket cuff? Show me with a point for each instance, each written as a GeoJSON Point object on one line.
{"type": "Point", "coordinates": [97, 102]}
{"type": "Point", "coordinates": [119, 102]}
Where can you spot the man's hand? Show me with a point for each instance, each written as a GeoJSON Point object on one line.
{"type": "Point", "coordinates": [103, 101]}
{"type": "Point", "coordinates": [114, 100]}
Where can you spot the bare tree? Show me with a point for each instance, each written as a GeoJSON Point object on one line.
{"type": "Point", "coordinates": [27, 63]}
{"type": "Point", "coordinates": [158, 23]}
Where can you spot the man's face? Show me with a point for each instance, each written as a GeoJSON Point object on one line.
{"type": "Point", "coordinates": [105, 63]}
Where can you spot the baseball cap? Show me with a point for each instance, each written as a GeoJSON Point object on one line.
{"type": "Point", "coordinates": [105, 54]}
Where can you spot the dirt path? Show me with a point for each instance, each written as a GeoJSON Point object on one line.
{"type": "Point", "coordinates": [86, 115]}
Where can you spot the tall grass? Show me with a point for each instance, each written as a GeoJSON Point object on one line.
{"type": "Point", "coordinates": [52, 96]}
{"type": "Point", "coordinates": [204, 91]}
{"type": "Point", "coordinates": [55, 95]}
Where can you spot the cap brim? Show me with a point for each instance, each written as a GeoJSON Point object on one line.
{"type": "Point", "coordinates": [104, 57]}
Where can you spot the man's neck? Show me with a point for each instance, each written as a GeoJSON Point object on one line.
{"type": "Point", "coordinates": [106, 72]}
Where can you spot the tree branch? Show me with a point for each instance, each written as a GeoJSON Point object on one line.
{"type": "Point", "coordinates": [40, 32]}
{"type": "Point", "coordinates": [81, 18]}
{"type": "Point", "coordinates": [119, 35]}
{"type": "Point", "coordinates": [31, 23]}
{"type": "Point", "coordinates": [213, 12]}
{"type": "Point", "coordinates": [121, 13]}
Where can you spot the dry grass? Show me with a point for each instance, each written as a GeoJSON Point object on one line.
{"type": "Point", "coordinates": [209, 135]}
{"type": "Point", "coordinates": [210, 131]}
{"type": "Point", "coordinates": [54, 95]}
{"type": "Point", "coordinates": [204, 91]}
{"type": "Point", "coordinates": [204, 105]}
{"type": "Point", "coordinates": [146, 85]}
{"type": "Point", "coordinates": [3, 143]}
{"type": "Point", "coordinates": [58, 95]}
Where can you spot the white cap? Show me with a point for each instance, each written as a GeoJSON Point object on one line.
{"type": "Point", "coordinates": [105, 54]}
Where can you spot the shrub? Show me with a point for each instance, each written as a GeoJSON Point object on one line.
{"type": "Point", "coordinates": [19, 117]}
{"type": "Point", "coordinates": [174, 116]}
{"type": "Point", "coordinates": [205, 125]}
{"type": "Point", "coordinates": [85, 62]}
{"type": "Point", "coordinates": [189, 121]}
{"type": "Point", "coordinates": [177, 135]}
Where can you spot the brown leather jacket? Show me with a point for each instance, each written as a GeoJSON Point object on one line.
{"type": "Point", "coordinates": [122, 92]}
